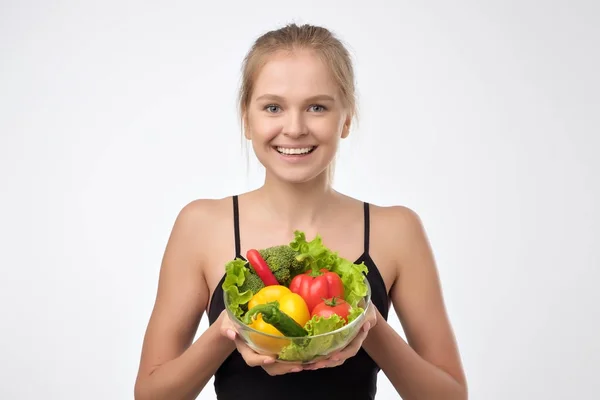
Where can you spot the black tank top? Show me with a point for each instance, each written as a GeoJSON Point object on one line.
{"type": "Point", "coordinates": [355, 379]}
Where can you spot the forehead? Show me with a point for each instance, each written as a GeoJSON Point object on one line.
{"type": "Point", "coordinates": [295, 75]}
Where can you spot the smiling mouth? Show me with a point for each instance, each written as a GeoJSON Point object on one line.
{"type": "Point", "coordinates": [296, 151]}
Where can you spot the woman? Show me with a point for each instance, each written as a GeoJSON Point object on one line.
{"type": "Point", "coordinates": [297, 102]}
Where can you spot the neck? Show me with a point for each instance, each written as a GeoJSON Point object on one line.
{"type": "Point", "coordinates": [297, 204]}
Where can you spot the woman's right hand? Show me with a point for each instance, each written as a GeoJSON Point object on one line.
{"type": "Point", "coordinates": [252, 358]}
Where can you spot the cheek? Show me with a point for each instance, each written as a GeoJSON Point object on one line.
{"type": "Point", "coordinates": [327, 130]}
{"type": "Point", "coordinates": [264, 129]}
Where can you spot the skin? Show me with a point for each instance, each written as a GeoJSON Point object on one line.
{"type": "Point", "coordinates": [285, 111]}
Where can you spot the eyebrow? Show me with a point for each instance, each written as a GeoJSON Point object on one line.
{"type": "Point", "coordinates": [319, 97]}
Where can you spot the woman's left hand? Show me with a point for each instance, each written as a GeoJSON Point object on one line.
{"type": "Point", "coordinates": [338, 358]}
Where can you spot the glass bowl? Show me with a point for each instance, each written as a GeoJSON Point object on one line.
{"type": "Point", "coordinates": [304, 349]}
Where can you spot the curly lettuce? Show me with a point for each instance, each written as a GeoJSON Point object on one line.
{"type": "Point", "coordinates": [309, 348]}
{"type": "Point", "coordinates": [236, 273]}
{"type": "Point", "coordinates": [317, 256]}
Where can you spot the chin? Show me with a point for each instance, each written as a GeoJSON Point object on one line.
{"type": "Point", "coordinates": [298, 176]}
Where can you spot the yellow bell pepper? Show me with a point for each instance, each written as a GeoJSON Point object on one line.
{"type": "Point", "coordinates": [290, 303]}
{"type": "Point", "coordinates": [268, 294]}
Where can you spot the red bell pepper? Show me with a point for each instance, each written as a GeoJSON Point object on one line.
{"type": "Point", "coordinates": [314, 287]}
{"type": "Point", "coordinates": [261, 267]}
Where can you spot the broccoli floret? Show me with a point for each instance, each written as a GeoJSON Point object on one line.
{"type": "Point", "coordinates": [283, 276]}
{"type": "Point", "coordinates": [282, 261]}
{"type": "Point", "coordinates": [252, 282]}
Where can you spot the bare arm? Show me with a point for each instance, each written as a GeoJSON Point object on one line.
{"type": "Point", "coordinates": [430, 367]}
{"type": "Point", "coordinates": [171, 367]}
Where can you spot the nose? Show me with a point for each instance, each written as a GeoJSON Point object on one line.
{"type": "Point", "coordinates": [295, 125]}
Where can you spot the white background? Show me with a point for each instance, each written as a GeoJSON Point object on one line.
{"type": "Point", "coordinates": [481, 116]}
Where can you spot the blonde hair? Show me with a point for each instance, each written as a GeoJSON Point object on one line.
{"type": "Point", "coordinates": [299, 37]}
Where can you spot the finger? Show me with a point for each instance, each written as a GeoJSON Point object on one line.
{"type": "Point", "coordinates": [251, 357]}
{"type": "Point", "coordinates": [329, 363]}
{"type": "Point", "coordinates": [373, 318]}
{"type": "Point", "coordinates": [280, 369]}
{"type": "Point", "coordinates": [326, 364]}
{"type": "Point", "coordinates": [333, 364]}
{"type": "Point", "coordinates": [352, 348]}
{"type": "Point", "coordinates": [366, 326]}
{"type": "Point", "coordinates": [228, 329]}
{"type": "Point", "coordinates": [338, 358]}
{"type": "Point", "coordinates": [229, 333]}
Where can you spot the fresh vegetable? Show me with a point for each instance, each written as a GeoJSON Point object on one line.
{"type": "Point", "coordinates": [282, 261]}
{"type": "Point", "coordinates": [314, 286]}
{"type": "Point", "coordinates": [354, 313]}
{"type": "Point", "coordinates": [289, 303]}
{"type": "Point", "coordinates": [268, 294]}
{"type": "Point", "coordinates": [314, 347]}
{"type": "Point", "coordinates": [277, 323]}
{"type": "Point", "coordinates": [273, 315]}
{"type": "Point", "coordinates": [316, 257]}
{"type": "Point", "coordinates": [261, 267]}
{"type": "Point", "coordinates": [252, 283]}
{"type": "Point", "coordinates": [333, 306]}
{"type": "Point", "coordinates": [309, 349]}
{"type": "Point", "coordinates": [244, 290]}
{"type": "Point", "coordinates": [235, 276]}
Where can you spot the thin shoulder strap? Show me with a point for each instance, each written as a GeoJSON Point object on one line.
{"type": "Point", "coordinates": [236, 225]}
{"type": "Point", "coordinates": [367, 227]}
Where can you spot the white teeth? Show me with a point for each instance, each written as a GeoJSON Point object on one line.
{"type": "Point", "coordinates": [284, 150]}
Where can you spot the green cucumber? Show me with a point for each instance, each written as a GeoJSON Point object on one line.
{"type": "Point", "coordinates": [271, 314]}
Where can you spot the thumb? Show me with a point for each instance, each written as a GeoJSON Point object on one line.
{"type": "Point", "coordinates": [227, 328]}
{"type": "Point", "coordinates": [231, 334]}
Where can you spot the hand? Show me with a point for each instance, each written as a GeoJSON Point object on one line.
{"type": "Point", "coordinates": [252, 358]}
{"type": "Point", "coordinates": [336, 359]}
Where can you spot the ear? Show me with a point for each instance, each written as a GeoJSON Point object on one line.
{"type": "Point", "coordinates": [246, 125]}
{"type": "Point", "coordinates": [346, 127]}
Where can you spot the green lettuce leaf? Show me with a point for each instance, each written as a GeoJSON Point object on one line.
{"type": "Point", "coordinates": [318, 325]}
{"type": "Point", "coordinates": [314, 254]}
{"type": "Point", "coordinates": [354, 313]}
{"type": "Point", "coordinates": [235, 275]}
{"type": "Point", "coordinates": [307, 349]}
{"type": "Point", "coordinates": [317, 256]}
{"type": "Point", "coordinates": [353, 279]}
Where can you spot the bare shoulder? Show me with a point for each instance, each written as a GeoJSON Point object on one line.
{"type": "Point", "coordinates": [185, 253]}
{"type": "Point", "coordinates": [399, 228]}
{"type": "Point", "coordinates": [200, 211]}
{"type": "Point", "coordinates": [199, 217]}
{"type": "Point", "coordinates": [206, 226]}
{"type": "Point", "coordinates": [398, 217]}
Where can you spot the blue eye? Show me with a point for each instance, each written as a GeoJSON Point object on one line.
{"type": "Point", "coordinates": [319, 108]}
{"type": "Point", "coordinates": [272, 108]}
